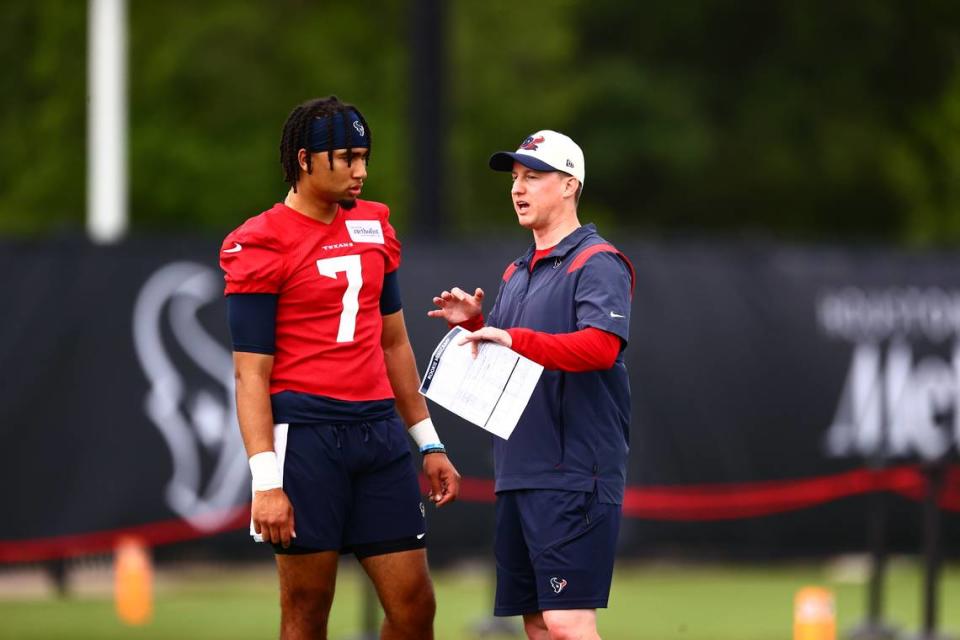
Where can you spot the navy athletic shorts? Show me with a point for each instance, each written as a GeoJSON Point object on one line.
{"type": "Point", "coordinates": [353, 488]}
{"type": "Point", "coordinates": [554, 550]}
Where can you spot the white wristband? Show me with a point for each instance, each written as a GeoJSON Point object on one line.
{"type": "Point", "coordinates": [425, 435]}
{"type": "Point", "coordinates": [265, 470]}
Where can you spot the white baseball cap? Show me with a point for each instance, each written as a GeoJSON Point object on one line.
{"type": "Point", "coordinates": [544, 151]}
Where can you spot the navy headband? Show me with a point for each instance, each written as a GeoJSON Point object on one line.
{"type": "Point", "coordinates": [355, 134]}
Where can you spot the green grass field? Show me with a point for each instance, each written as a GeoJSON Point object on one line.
{"type": "Point", "coordinates": [649, 602]}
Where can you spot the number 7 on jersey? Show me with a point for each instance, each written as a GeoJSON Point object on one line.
{"type": "Point", "coordinates": [330, 267]}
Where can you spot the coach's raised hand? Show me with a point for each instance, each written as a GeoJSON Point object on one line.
{"type": "Point", "coordinates": [457, 306]}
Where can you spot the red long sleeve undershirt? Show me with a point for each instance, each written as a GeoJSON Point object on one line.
{"type": "Point", "coordinates": [473, 324]}
{"type": "Point", "coordinates": [589, 349]}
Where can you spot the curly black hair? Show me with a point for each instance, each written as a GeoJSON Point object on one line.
{"type": "Point", "coordinates": [296, 133]}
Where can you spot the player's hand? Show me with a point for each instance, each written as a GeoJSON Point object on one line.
{"type": "Point", "coordinates": [272, 516]}
{"type": "Point", "coordinates": [443, 477]}
{"type": "Point", "coordinates": [486, 334]}
{"type": "Point", "coordinates": [457, 306]}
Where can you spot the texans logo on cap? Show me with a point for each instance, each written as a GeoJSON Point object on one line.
{"type": "Point", "coordinates": [530, 143]}
{"type": "Point", "coordinates": [535, 152]}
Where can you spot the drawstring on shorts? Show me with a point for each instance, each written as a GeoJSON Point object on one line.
{"type": "Point", "coordinates": [338, 432]}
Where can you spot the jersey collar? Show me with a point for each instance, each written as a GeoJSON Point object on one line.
{"type": "Point", "coordinates": [565, 246]}
{"type": "Point", "coordinates": [303, 218]}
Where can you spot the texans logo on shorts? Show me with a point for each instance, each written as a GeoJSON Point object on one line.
{"type": "Point", "coordinates": [558, 584]}
{"type": "Point", "coordinates": [530, 143]}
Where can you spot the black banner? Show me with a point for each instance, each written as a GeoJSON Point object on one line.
{"type": "Point", "coordinates": [773, 389]}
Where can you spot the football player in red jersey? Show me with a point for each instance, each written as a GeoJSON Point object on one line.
{"type": "Point", "coordinates": [323, 367]}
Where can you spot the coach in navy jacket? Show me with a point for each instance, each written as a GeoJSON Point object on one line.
{"type": "Point", "coordinates": [560, 477]}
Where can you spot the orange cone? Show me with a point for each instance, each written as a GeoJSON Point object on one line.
{"type": "Point", "coordinates": [814, 615]}
{"type": "Point", "coordinates": [133, 581]}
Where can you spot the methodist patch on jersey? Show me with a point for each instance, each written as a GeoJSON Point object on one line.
{"type": "Point", "coordinates": [365, 230]}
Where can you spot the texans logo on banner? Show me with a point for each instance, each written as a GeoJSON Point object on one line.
{"type": "Point", "coordinates": [195, 416]}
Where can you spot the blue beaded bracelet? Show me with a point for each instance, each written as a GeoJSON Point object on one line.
{"type": "Point", "coordinates": [432, 448]}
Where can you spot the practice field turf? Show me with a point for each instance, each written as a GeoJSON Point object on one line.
{"type": "Point", "coordinates": [655, 601]}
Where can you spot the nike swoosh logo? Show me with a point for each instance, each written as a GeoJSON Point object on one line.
{"type": "Point", "coordinates": [420, 536]}
{"type": "Point", "coordinates": [236, 248]}
{"type": "Point", "coordinates": [616, 315]}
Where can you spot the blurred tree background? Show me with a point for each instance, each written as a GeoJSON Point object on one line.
{"type": "Point", "coordinates": [789, 119]}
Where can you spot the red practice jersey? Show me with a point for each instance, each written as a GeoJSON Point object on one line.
{"type": "Point", "coordinates": [328, 279]}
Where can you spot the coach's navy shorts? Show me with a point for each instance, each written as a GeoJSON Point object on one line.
{"type": "Point", "coordinates": [353, 487]}
{"type": "Point", "coordinates": [554, 550]}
